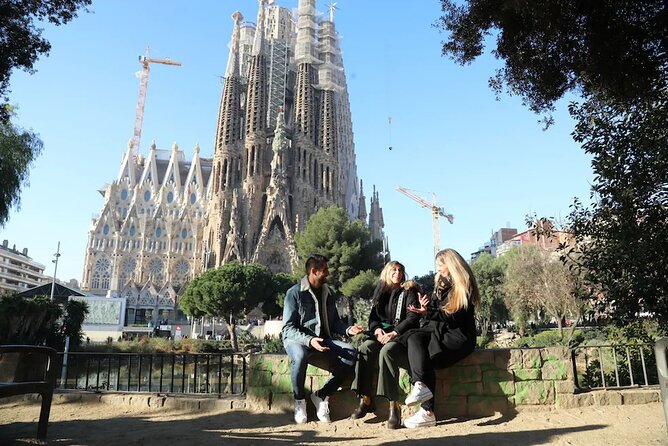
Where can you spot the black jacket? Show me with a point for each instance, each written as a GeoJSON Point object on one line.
{"type": "Point", "coordinates": [453, 336]}
{"type": "Point", "coordinates": [383, 313]}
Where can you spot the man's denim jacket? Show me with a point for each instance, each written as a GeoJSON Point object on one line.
{"type": "Point", "coordinates": [301, 314]}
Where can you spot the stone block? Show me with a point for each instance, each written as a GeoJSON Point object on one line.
{"type": "Point", "coordinates": [564, 401]}
{"type": "Point", "coordinates": [281, 383]}
{"type": "Point", "coordinates": [608, 398]}
{"type": "Point", "coordinates": [534, 392]}
{"type": "Point", "coordinates": [283, 402]}
{"type": "Point", "coordinates": [238, 405]}
{"type": "Point", "coordinates": [566, 386]}
{"type": "Point", "coordinates": [184, 404]}
{"type": "Point", "coordinates": [498, 382]}
{"type": "Point", "coordinates": [260, 378]}
{"type": "Point", "coordinates": [487, 405]}
{"type": "Point", "coordinates": [555, 370]}
{"type": "Point", "coordinates": [557, 354]}
{"type": "Point", "coordinates": [640, 396]}
{"type": "Point", "coordinates": [461, 389]}
{"type": "Point", "coordinates": [283, 366]}
{"type": "Point", "coordinates": [531, 358]}
{"type": "Point", "coordinates": [454, 406]}
{"type": "Point", "coordinates": [478, 357]}
{"type": "Point", "coordinates": [527, 374]}
{"type": "Point", "coordinates": [259, 398]}
{"type": "Point", "coordinates": [461, 374]}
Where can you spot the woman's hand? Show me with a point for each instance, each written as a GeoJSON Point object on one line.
{"type": "Point", "coordinates": [422, 309]}
{"type": "Point", "coordinates": [379, 333]}
{"type": "Point", "coordinates": [388, 337]}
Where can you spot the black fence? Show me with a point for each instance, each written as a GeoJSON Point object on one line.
{"type": "Point", "coordinates": [614, 366]}
{"type": "Point", "coordinates": [182, 373]}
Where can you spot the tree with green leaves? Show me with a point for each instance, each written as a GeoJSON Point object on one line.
{"type": "Point", "coordinates": [536, 281]}
{"type": "Point", "coordinates": [615, 55]}
{"type": "Point", "coordinates": [552, 47]}
{"type": "Point", "coordinates": [621, 242]}
{"type": "Point", "coordinates": [22, 42]}
{"type": "Point", "coordinates": [347, 244]}
{"type": "Point", "coordinates": [40, 321]}
{"type": "Point", "coordinates": [230, 292]}
{"type": "Point", "coordinates": [490, 274]}
{"type": "Point", "coordinates": [18, 150]}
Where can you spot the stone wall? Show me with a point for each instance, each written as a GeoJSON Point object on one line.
{"type": "Point", "coordinates": [488, 381]}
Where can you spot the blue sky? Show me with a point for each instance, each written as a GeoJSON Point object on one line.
{"type": "Point", "coordinates": [487, 160]}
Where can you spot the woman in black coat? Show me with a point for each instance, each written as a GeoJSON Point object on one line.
{"type": "Point", "coordinates": [447, 333]}
{"type": "Point", "coordinates": [389, 318]}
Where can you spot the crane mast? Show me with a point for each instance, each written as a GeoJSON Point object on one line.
{"type": "Point", "coordinates": [145, 61]}
{"type": "Point", "coordinates": [436, 212]}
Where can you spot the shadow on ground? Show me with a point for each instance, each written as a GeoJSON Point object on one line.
{"type": "Point", "coordinates": [246, 429]}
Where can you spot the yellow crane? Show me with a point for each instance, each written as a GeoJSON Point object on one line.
{"type": "Point", "coordinates": [436, 212]}
{"type": "Point", "coordinates": [145, 61]}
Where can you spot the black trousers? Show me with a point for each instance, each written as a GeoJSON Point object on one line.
{"type": "Point", "coordinates": [421, 365]}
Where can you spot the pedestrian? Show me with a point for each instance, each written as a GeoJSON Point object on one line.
{"type": "Point", "coordinates": [310, 321]}
{"type": "Point", "coordinates": [389, 317]}
{"type": "Point", "coordinates": [446, 336]}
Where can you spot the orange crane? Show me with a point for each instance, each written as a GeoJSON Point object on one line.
{"type": "Point", "coordinates": [141, 99]}
{"type": "Point", "coordinates": [436, 212]}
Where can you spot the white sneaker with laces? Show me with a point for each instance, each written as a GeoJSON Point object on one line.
{"type": "Point", "coordinates": [321, 407]}
{"type": "Point", "coordinates": [421, 418]}
{"type": "Point", "coordinates": [419, 394]}
{"type": "Point", "coordinates": [300, 412]}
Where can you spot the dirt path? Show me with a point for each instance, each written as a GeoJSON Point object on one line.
{"type": "Point", "coordinates": [105, 424]}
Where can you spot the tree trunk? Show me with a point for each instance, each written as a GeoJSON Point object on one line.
{"type": "Point", "coordinates": [233, 333]}
{"type": "Point", "coordinates": [560, 326]}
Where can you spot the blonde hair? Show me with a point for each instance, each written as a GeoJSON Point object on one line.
{"type": "Point", "coordinates": [384, 281]}
{"type": "Point", "coordinates": [464, 286]}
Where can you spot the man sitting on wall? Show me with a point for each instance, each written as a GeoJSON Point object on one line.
{"type": "Point", "coordinates": [310, 318]}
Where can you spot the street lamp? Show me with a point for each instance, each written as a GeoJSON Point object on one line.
{"type": "Point", "coordinates": [55, 270]}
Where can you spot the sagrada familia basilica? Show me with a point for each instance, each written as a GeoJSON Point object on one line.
{"type": "Point", "coordinates": [283, 149]}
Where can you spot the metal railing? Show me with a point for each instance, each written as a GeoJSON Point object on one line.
{"type": "Point", "coordinates": [174, 373]}
{"type": "Point", "coordinates": [614, 366]}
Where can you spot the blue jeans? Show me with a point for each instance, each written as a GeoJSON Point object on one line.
{"type": "Point", "coordinates": [339, 360]}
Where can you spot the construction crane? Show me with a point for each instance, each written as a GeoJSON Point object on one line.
{"type": "Point", "coordinates": [436, 212]}
{"type": "Point", "coordinates": [145, 61]}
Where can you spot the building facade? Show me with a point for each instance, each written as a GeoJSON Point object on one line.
{"type": "Point", "coordinates": [283, 148]}
{"type": "Point", "coordinates": [284, 143]}
{"type": "Point", "coordinates": [18, 272]}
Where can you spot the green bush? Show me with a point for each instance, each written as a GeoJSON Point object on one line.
{"type": "Point", "coordinates": [549, 338]}
{"type": "Point", "coordinates": [273, 344]}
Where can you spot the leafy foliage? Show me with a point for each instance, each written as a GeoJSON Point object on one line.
{"type": "Point", "coordinates": [40, 321]}
{"type": "Point", "coordinates": [231, 290]}
{"type": "Point", "coordinates": [490, 275]}
{"type": "Point", "coordinates": [549, 48]}
{"type": "Point", "coordinates": [347, 245]}
{"type": "Point", "coordinates": [622, 240]}
{"type": "Point", "coordinates": [536, 281]}
{"type": "Point", "coordinates": [18, 150]}
{"type": "Point", "coordinates": [22, 42]}
{"type": "Point", "coordinates": [361, 286]}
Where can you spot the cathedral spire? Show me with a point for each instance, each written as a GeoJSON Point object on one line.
{"type": "Point", "coordinates": [233, 58]}
{"type": "Point", "coordinates": [258, 41]}
{"type": "Point", "coordinates": [361, 213]}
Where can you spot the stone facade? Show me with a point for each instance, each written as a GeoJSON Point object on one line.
{"type": "Point", "coordinates": [283, 148]}
{"type": "Point", "coordinates": [284, 143]}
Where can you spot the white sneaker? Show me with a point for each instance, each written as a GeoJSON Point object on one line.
{"type": "Point", "coordinates": [300, 411]}
{"type": "Point", "coordinates": [419, 394]}
{"type": "Point", "coordinates": [321, 407]}
{"type": "Point", "coordinates": [421, 418]}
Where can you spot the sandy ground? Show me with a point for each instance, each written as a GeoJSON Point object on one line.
{"type": "Point", "coordinates": [106, 424]}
